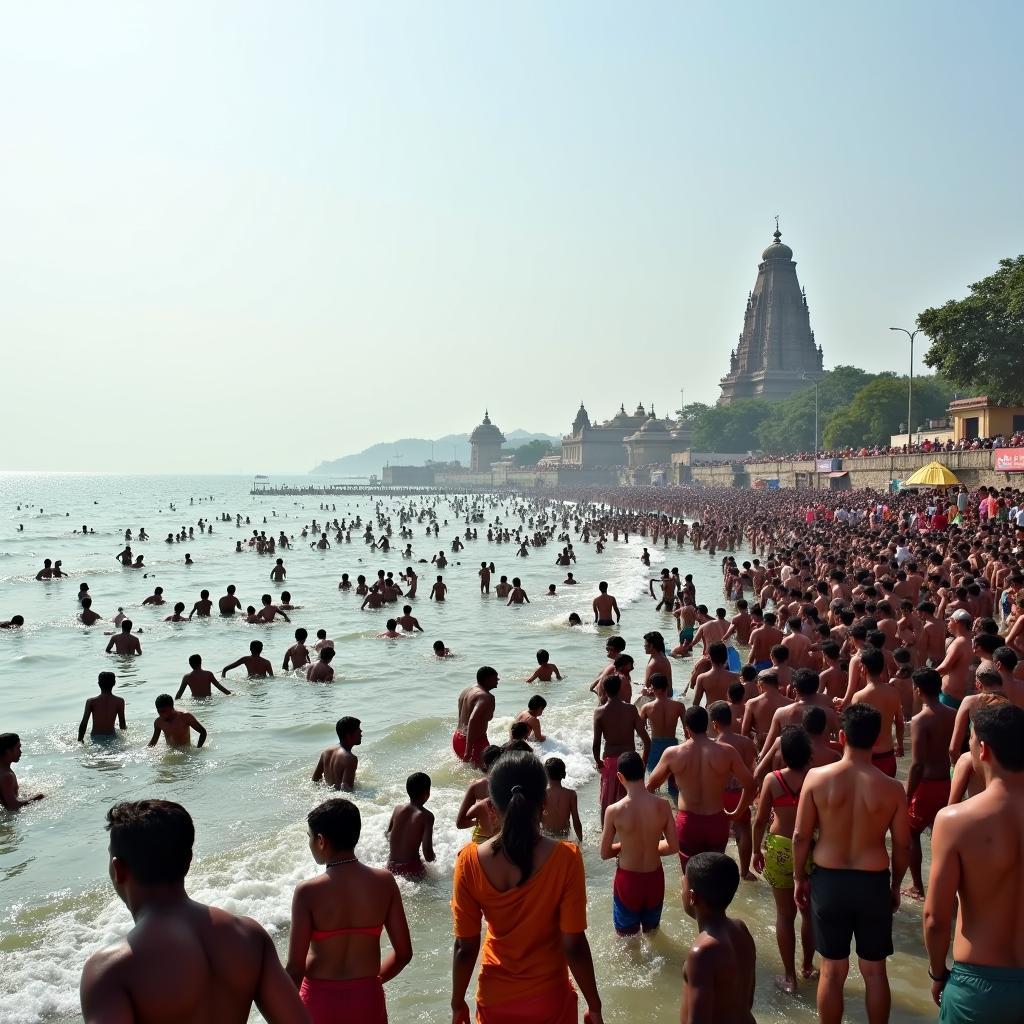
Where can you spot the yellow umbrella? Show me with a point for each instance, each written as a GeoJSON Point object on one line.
{"type": "Point", "coordinates": [935, 474]}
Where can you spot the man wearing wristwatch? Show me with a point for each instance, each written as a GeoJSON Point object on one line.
{"type": "Point", "coordinates": [976, 856]}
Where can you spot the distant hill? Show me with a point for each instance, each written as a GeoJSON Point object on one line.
{"type": "Point", "coordinates": [417, 451]}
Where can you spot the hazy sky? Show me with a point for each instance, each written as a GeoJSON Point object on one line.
{"type": "Point", "coordinates": [248, 237]}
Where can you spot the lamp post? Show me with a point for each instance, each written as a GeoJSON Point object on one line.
{"type": "Point", "coordinates": [815, 381]}
{"type": "Point", "coordinates": [910, 384]}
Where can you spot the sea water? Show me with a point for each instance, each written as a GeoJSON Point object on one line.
{"type": "Point", "coordinates": [249, 788]}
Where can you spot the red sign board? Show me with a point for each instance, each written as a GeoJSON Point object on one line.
{"type": "Point", "coordinates": [1009, 460]}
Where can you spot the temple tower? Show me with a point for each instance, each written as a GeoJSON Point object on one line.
{"type": "Point", "coordinates": [776, 355]}
{"type": "Point", "coordinates": [485, 446]}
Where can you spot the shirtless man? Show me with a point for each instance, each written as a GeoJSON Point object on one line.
{"type": "Point", "coordinates": [337, 765]}
{"type": "Point", "coordinates": [658, 660]}
{"type": "Point", "coordinates": [256, 666]}
{"type": "Point", "coordinates": [156, 598]}
{"type": "Point", "coordinates": [476, 709]}
{"type": "Point", "coordinates": [504, 588]}
{"type": "Point", "coordinates": [928, 781]}
{"type": "Point", "coordinates": [638, 830]}
{"type": "Point", "coordinates": [199, 681]}
{"type": "Point", "coordinates": [203, 606]}
{"type": "Point", "coordinates": [955, 665]}
{"type": "Point", "coordinates": [297, 656]}
{"type": "Point", "coordinates": [932, 644]}
{"type": "Point", "coordinates": [410, 830]}
{"type": "Point", "coordinates": [987, 679]}
{"type": "Point", "coordinates": [762, 640]}
{"type": "Point", "coordinates": [438, 590]}
{"type": "Point", "coordinates": [615, 723]}
{"type": "Point", "coordinates": [805, 683]}
{"type": "Point", "coordinates": [517, 595]}
{"type": "Point", "coordinates": [10, 753]}
{"type": "Point", "coordinates": [176, 726]}
{"type": "Point", "coordinates": [105, 710]}
{"type": "Point", "coordinates": [124, 642]}
{"type": "Point", "coordinates": [886, 699]}
{"type": "Point", "coordinates": [228, 603]}
{"type": "Point", "coordinates": [662, 715]}
{"type": "Point", "coordinates": [182, 961]}
{"type": "Point", "coordinates": [320, 671]}
{"type": "Point", "coordinates": [851, 892]}
{"type": "Point", "coordinates": [408, 621]}
{"type": "Point", "coordinates": [760, 710]}
{"type": "Point", "coordinates": [87, 616]}
{"type": "Point", "coordinates": [711, 632]}
{"type": "Point", "coordinates": [724, 731]}
{"type": "Point", "coordinates": [714, 684]}
{"type": "Point", "coordinates": [270, 611]}
{"type": "Point", "coordinates": [485, 578]}
{"type": "Point", "coordinates": [976, 863]}
{"type": "Point", "coordinates": [605, 607]}
{"type": "Point", "coordinates": [702, 769]}
{"type": "Point", "coordinates": [718, 975]}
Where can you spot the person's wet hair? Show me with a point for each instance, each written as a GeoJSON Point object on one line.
{"type": "Point", "coordinates": [485, 673]}
{"type": "Point", "coordinates": [417, 785]}
{"type": "Point", "coordinates": [861, 723]}
{"type": "Point", "coordinates": [805, 681]}
{"type": "Point", "coordinates": [517, 785]}
{"type": "Point", "coordinates": [338, 821]}
{"type": "Point", "coordinates": [718, 653]}
{"type": "Point", "coordinates": [656, 640]}
{"type": "Point", "coordinates": [346, 726]}
{"type": "Point", "coordinates": [795, 747]}
{"type": "Point", "coordinates": [873, 660]}
{"type": "Point", "coordinates": [106, 681]}
{"type": "Point", "coordinates": [631, 766]}
{"type": "Point", "coordinates": [720, 713]}
{"type": "Point", "coordinates": [153, 839]}
{"type": "Point", "coordinates": [1001, 729]}
{"type": "Point", "coordinates": [612, 685]}
{"type": "Point", "coordinates": [814, 721]}
{"type": "Point", "coordinates": [536, 703]}
{"type": "Point", "coordinates": [736, 692]}
{"type": "Point", "coordinates": [696, 720]}
{"type": "Point", "coordinates": [8, 741]}
{"type": "Point", "coordinates": [555, 768]}
{"type": "Point", "coordinates": [165, 700]}
{"type": "Point", "coordinates": [714, 878]}
{"type": "Point", "coordinates": [659, 681]}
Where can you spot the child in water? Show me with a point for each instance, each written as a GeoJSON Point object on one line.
{"type": "Point", "coordinates": [545, 670]}
{"type": "Point", "coordinates": [560, 804]}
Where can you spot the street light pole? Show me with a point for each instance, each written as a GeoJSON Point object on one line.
{"type": "Point", "coordinates": [910, 383]}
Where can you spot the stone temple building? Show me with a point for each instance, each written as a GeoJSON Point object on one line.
{"type": "Point", "coordinates": [485, 445]}
{"type": "Point", "coordinates": [776, 355]}
{"type": "Point", "coordinates": [590, 445]}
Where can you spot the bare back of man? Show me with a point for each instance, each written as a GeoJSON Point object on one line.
{"type": "Point", "coordinates": [188, 963]}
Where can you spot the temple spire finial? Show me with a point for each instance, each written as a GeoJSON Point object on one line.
{"type": "Point", "coordinates": [778, 233]}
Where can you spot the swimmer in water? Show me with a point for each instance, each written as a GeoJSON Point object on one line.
{"type": "Point", "coordinates": [411, 830]}
{"type": "Point", "coordinates": [105, 710]}
{"type": "Point", "coordinates": [390, 631]}
{"type": "Point", "coordinates": [199, 681]}
{"type": "Point", "coordinates": [14, 622]}
{"type": "Point", "coordinates": [175, 726]}
{"type": "Point", "coordinates": [320, 671]}
{"type": "Point", "coordinates": [297, 656]}
{"type": "Point", "coordinates": [337, 765]}
{"type": "Point", "coordinates": [10, 753]}
{"type": "Point", "coordinates": [256, 666]}
{"type": "Point", "coordinates": [124, 643]}
{"type": "Point", "coordinates": [440, 651]}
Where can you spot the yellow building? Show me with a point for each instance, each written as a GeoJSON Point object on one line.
{"type": "Point", "coordinates": [981, 417]}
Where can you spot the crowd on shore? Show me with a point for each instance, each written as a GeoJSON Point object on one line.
{"type": "Point", "coordinates": [858, 622]}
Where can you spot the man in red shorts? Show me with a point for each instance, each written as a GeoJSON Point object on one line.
{"type": "Point", "coordinates": [702, 769]}
{"type": "Point", "coordinates": [476, 709]}
{"type": "Point", "coordinates": [928, 781]}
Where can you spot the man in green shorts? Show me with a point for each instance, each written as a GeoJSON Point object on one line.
{"type": "Point", "coordinates": [976, 858]}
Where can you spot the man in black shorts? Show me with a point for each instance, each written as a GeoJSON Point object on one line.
{"type": "Point", "coordinates": [851, 892]}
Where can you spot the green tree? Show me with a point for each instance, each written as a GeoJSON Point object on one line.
{"type": "Point", "coordinates": [531, 453]}
{"type": "Point", "coordinates": [791, 425]}
{"type": "Point", "coordinates": [977, 342]}
{"type": "Point", "coordinates": [880, 407]}
{"type": "Point", "coordinates": [730, 428]}
{"type": "Point", "coordinates": [692, 411]}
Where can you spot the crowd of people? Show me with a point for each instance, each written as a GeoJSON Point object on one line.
{"type": "Point", "coordinates": [856, 637]}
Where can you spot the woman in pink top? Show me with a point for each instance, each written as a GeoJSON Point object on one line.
{"type": "Point", "coordinates": [337, 920]}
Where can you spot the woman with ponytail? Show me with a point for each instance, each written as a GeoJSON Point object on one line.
{"type": "Point", "coordinates": [532, 892]}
